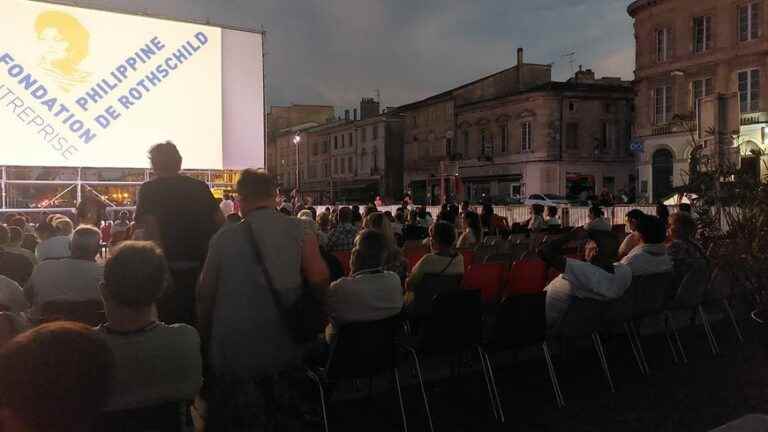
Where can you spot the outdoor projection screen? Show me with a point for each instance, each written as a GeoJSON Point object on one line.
{"type": "Point", "coordinates": [88, 88]}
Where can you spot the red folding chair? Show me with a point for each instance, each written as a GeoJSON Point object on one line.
{"type": "Point", "coordinates": [528, 276]}
{"type": "Point", "coordinates": [344, 257]}
{"type": "Point", "coordinates": [414, 255]}
{"type": "Point", "coordinates": [469, 258]}
{"type": "Point", "coordinates": [488, 279]}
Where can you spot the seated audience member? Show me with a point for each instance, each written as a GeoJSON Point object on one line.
{"type": "Point", "coordinates": [394, 261]}
{"type": "Point", "coordinates": [493, 224]}
{"type": "Point", "coordinates": [155, 363]}
{"type": "Point", "coordinates": [29, 240]}
{"type": "Point", "coordinates": [473, 231]}
{"type": "Point", "coordinates": [597, 220]}
{"type": "Point", "coordinates": [597, 277]}
{"type": "Point", "coordinates": [76, 278]}
{"type": "Point", "coordinates": [16, 236]}
{"type": "Point", "coordinates": [14, 266]}
{"type": "Point", "coordinates": [650, 255]}
{"type": "Point", "coordinates": [443, 261]}
{"type": "Point", "coordinates": [369, 210]}
{"type": "Point", "coordinates": [357, 217]}
{"type": "Point", "coordinates": [633, 239]}
{"type": "Point", "coordinates": [11, 296]}
{"type": "Point", "coordinates": [552, 219]}
{"type": "Point", "coordinates": [120, 228]}
{"type": "Point", "coordinates": [683, 248]}
{"type": "Point", "coordinates": [232, 219]}
{"type": "Point", "coordinates": [536, 223]}
{"type": "Point", "coordinates": [57, 377]}
{"type": "Point", "coordinates": [371, 293]}
{"type": "Point", "coordinates": [343, 236]}
{"type": "Point", "coordinates": [54, 242]}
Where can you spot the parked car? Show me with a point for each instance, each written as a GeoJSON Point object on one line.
{"type": "Point", "coordinates": [504, 200]}
{"type": "Point", "coordinates": [546, 200]}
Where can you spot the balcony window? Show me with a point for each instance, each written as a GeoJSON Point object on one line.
{"type": "Point", "coordinates": [749, 91]}
{"type": "Point", "coordinates": [526, 137]}
{"type": "Point", "coordinates": [702, 34]}
{"type": "Point", "coordinates": [662, 104]}
{"type": "Point", "coordinates": [504, 138]}
{"type": "Point", "coordinates": [663, 47]}
{"type": "Point", "coordinates": [749, 21]}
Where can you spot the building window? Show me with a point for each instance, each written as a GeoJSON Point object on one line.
{"type": "Point", "coordinates": [571, 107]}
{"type": "Point", "coordinates": [702, 34]}
{"type": "Point", "coordinates": [335, 166]}
{"type": "Point", "coordinates": [375, 132]}
{"type": "Point", "coordinates": [363, 134]}
{"type": "Point", "coordinates": [749, 21]}
{"type": "Point", "coordinates": [749, 90]}
{"type": "Point", "coordinates": [572, 136]}
{"type": "Point", "coordinates": [351, 141]}
{"type": "Point", "coordinates": [662, 45]}
{"type": "Point", "coordinates": [526, 137]}
{"type": "Point", "coordinates": [336, 143]}
{"type": "Point", "coordinates": [350, 170]}
{"type": "Point", "coordinates": [662, 104]}
{"type": "Point", "coordinates": [609, 135]}
{"type": "Point", "coordinates": [486, 143]}
{"type": "Point", "coordinates": [375, 155]}
{"type": "Point", "coordinates": [343, 140]}
{"type": "Point", "coordinates": [699, 89]}
{"type": "Point", "coordinates": [465, 140]}
{"type": "Point", "coordinates": [325, 146]}
{"type": "Point", "coordinates": [315, 148]}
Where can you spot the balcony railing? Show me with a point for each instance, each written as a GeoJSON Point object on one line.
{"type": "Point", "coordinates": [754, 118]}
{"type": "Point", "coordinates": [674, 128]}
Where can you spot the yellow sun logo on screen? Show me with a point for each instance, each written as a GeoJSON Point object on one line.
{"type": "Point", "coordinates": [64, 43]}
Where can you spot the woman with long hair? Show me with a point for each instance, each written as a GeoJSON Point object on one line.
{"type": "Point", "coordinates": [395, 261]}
{"type": "Point", "coordinates": [473, 231]}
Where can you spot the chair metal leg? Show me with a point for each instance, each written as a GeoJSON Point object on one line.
{"type": "Point", "coordinates": [559, 399]}
{"type": "Point", "coordinates": [323, 408]}
{"type": "Point", "coordinates": [640, 350]}
{"type": "Point", "coordinates": [733, 321]}
{"type": "Point", "coordinates": [421, 384]}
{"type": "Point", "coordinates": [484, 356]}
{"type": "Point", "coordinates": [710, 335]}
{"type": "Point", "coordinates": [634, 349]}
{"type": "Point", "coordinates": [487, 378]}
{"type": "Point", "coordinates": [603, 360]}
{"type": "Point", "coordinates": [668, 336]}
{"type": "Point", "coordinates": [400, 399]}
{"type": "Point", "coordinates": [679, 344]}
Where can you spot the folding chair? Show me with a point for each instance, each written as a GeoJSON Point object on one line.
{"type": "Point", "coordinates": [343, 257]}
{"type": "Point", "coordinates": [520, 322]}
{"type": "Point", "coordinates": [454, 328]}
{"type": "Point", "coordinates": [361, 350]}
{"type": "Point", "coordinates": [488, 279]}
{"type": "Point", "coordinates": [583, 319]}
{"type": "Point", "coordinates": [89, 312]}
{"type": "Point", "coordinates": [430, 287]}
{"type": "Point", "coordinates": [170, 417]}
{"type": "Point", "coordinates": [527, 276]}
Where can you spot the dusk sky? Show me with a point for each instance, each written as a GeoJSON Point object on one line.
{"type": "Point", "coordinates": [338, 51]}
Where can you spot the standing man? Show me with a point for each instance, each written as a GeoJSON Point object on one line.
{"type": "Point", "coordinates": [181, 215]}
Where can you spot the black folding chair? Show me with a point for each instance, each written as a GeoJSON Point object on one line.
{"type": "Point", "coordinates": [582, 320]}
{"type": "Point", "coordinates": [361, 350]}
{"type": "Point", "coordinates": [690, 296]}
{"type": "Point", "coordinates": [520, 322]}
{"type": "Point", "coordinates": [166, 417]}
{"type": "Point", "coordinates": [429, 287]}
{"type": "Point", "coordinates": [89, 312]}
{"type": "Point", "coordinates": [453, 328]}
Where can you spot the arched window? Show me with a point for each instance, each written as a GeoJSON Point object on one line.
{"type": "Point", "coordinates": [662, 175]}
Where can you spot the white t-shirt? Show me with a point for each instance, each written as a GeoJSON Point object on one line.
{"type": "Point", "coordinates": [156, 365]}
{"type": "Point", "coordinates": [12, 296]}
{"type": "Point", "coordinates": [53, 248]}
{"type": "Point", "coordinates": [64, 280]}
{"type": "Point", "coordinates": [648, 259]}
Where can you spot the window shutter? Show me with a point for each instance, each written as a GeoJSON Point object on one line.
{"type": "Point", "coordinates": [708, 23]}
{"type": "Point", "coordinates": [670, 43]}
{"type": "Point", "coordinates": [757, 19]}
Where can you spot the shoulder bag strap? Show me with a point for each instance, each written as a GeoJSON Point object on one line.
{"type": "Point", "coordinates": [245, 225]}
{"type": "Point", "coordinates": [448, 265]}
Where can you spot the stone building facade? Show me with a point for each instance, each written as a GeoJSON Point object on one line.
{"type": "Point", "coordinates": [700, 76]}
{"type": "Point", "coordinates": [281, 122]}
{"type": "Point", "coordinates": [517, 132]}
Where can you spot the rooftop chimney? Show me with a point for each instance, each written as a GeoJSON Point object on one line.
{"type": "Point", "coordinates": [346, 115]}
{"type": "Point", "coordinates": [355, 114]}
{"type": "Point", "coordinates": [369, 108]}
{"type": "Point", "coordinates": [585, 75]}
{"type": "Point", "coordinates": [519, 56]}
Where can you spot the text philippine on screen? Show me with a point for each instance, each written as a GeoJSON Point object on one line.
{"type": "Point", "coordinates": [66, 127]}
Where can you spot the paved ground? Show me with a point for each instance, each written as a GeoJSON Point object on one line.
{"type": "Point", "coordinates": [699, 396]}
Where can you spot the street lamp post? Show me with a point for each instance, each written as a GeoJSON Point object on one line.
{"type": "Point", "coordinates": [297, 141]}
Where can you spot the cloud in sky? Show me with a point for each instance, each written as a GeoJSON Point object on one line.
{"type": "Point", "coordinates": [338, 51]}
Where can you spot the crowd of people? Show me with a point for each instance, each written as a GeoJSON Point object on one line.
{"type": "Point", "coordinates": [212, 302]}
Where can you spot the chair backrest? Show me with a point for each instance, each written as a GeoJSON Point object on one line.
{"type": "Point", "coordinates": [414, 255]}
{"type": "Point", "coordinates": [90, 312]}
{"type": "Point", "coordinates": [429, 288]}
{"type": "Point", "coordinates": [527, 276]}
{"type": "Point", "coordinates": [488, 278]}
{"type": "Point", "coordinates": [343, 257]}
{"type": "Point", "coordinates": [364, 349]}
{"type": "Point", "coordinates": [582, 318]}
{"type": "Point", "coordinates": [694, 284]}
{"type": "Point", "coordinates": [519, 321]}
{"type": "Point", "coordinates": [469, 258]}
{"type": "Point", "coordinates": [170, 417]}
{"type": "Point", "coordinates": [455, 325]}
{"type": "Point", "coordinates": [651, 293]}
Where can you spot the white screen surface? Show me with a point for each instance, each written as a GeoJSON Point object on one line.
{"type": "Point", "coordinates": [87, 88]}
